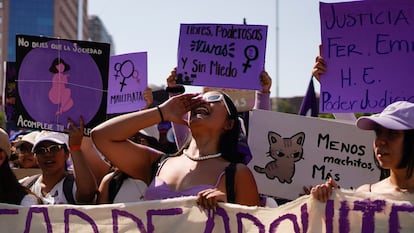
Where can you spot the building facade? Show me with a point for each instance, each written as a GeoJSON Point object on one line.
{"type": "Point", "coordinates": [98, 32]}
{"type": "Point", "coordinates": [51, 18]}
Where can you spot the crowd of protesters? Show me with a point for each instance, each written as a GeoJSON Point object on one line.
{"type": "Point", "coordinates": [165, 151]}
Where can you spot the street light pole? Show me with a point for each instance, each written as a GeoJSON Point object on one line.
{"type": "Point", "coordinates": [80, 20]}
{"type": "Point", "coordinates": [277, 55]}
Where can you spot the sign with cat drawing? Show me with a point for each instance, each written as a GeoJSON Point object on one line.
{"type": "Point", "coordinates": [292, 151]}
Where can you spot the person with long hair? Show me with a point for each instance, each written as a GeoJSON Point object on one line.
{"type": "Point", "coordinates": [211, 149]}
{"type": "Point", "coordinates": [11, 191]}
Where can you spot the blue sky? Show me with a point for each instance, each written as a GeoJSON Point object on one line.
{"type": "Point", "coordinates": [153, 26]}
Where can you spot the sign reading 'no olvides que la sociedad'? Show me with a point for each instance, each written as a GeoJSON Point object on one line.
{"type": "Point", "coordinates": [221, 55]}
{"type": "Point", "coordinates": [369, 50]}
{"type": "Point", "coordinates": [60, 79]}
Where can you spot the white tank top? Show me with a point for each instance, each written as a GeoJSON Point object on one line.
{"type": "Point", "coordinates": [132, 190]}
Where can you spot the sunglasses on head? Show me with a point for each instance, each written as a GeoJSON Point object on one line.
{"type": "Point", "coordinates": [217, 98]}
{"type": "Point", "coordinates": [24, 148]}
{"type": "Point", "coordinates": [53, 149]}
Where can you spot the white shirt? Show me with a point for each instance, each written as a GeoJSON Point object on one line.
{"type": "Point", "coordinates": [132, 190]}
{"type": "Point", "coordinates": [55, 195]}
{"type": "Point", "coordinates": [28, 200]}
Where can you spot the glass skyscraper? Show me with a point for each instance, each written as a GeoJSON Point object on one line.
{"type": "Point", "coordinates": [36, 21]}
{"type": "Point", "coordinates": [51, 18]}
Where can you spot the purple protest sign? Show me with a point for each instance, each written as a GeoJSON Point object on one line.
{"type": "Point", "coordinates": [60, 79]}
{"type": "Point", "coordinates": [221, 55]}
{"type": "Point", "coordinates": [127, 82]}
{"type": "Point", "coordinates": [369, 49]}
{"type": "Point", "coordinates": [10, 93]}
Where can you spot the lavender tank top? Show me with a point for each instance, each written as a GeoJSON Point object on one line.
{"type": "Point", "coordinates": [159, 190]}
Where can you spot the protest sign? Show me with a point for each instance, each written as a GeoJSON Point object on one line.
{"type": "Point", "coordinates": [60, 79]}
{"type": "Point", "coordinates": [369, 49]}
{"type": "Point", "coordinates": [128, 78]}
{"type": "Point", "coordinates": [292, 151]}
{"type": "Point", "coordinates": [10, 93]}
{"type": "Point", "coordinates": [221, 55]}
{"type": "Point", "coordinates": [345, 212]}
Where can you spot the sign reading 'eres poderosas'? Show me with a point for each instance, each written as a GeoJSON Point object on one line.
{"type": "Point", "coordinates": [221, 55]}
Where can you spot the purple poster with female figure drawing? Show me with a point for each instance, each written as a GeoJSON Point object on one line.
{"type": "Point", "coordinates": [221, 55]}
{"type": "Point", "coordinates": [60, 79]}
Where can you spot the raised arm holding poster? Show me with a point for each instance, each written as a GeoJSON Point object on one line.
{"type": "Point", "coordinates": [60, 79]}
{"type": "Point", "coordinates": [128, 79]}
{"type": "Point", "coordinates": [369, 49]}
{"type": "Point", "coordinates": [292, 151]}
{"type": "Point", "coordinates": [221, 55]}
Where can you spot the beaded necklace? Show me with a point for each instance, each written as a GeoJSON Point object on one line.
{"type": "Point", "coordinates": [201, 158]}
